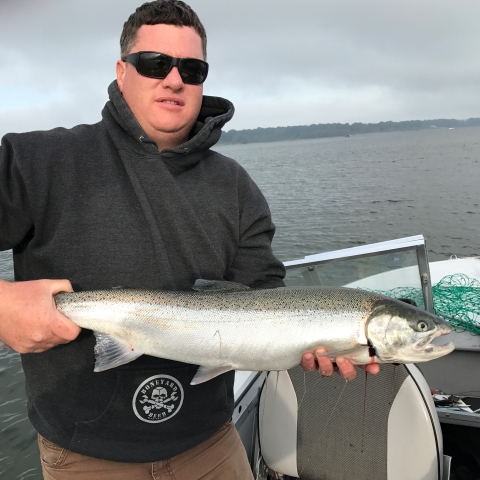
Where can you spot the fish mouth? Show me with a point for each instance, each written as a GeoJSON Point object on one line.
{"type": "Point", "coordinates": [432, 350]}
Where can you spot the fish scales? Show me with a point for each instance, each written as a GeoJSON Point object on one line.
{"type": "Point", "coordinates": [244, 330]}
{"type": "Point", "coordinates": [265, 324]}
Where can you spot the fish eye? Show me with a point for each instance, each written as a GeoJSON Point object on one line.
{"type": "Point", "coordinates": [422, 326]}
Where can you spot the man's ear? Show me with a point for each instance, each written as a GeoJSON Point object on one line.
{"type": "Point", "coordinates": [121, 68]}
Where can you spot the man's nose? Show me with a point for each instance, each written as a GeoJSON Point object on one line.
{"type": "Point", "coordinates": [173, 79]}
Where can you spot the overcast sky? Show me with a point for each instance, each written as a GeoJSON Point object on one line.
{"type": "Point", "coordinates": [280, 62]}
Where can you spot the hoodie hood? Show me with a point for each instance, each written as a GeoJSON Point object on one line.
{"type": "Point", "coordinates": [127, 133]}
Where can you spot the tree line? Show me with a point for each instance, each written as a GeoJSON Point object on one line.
{"type": "Point", "coordinates": [323, 130]}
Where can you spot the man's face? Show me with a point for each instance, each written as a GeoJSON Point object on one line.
{"type": "Point", "coordinates": [165, 108]}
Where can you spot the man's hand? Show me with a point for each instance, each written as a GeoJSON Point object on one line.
{"type": "Point", "coordinates": [312, 361]}
{"type": "Point", "coordinates": [29, 319]}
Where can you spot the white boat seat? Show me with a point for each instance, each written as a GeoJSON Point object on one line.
{"type": "Point", "coordinates": [380, 427]}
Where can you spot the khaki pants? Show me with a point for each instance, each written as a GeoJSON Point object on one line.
{"type": "Point", "coordinates": [220, 457]}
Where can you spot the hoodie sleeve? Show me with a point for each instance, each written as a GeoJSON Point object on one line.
{"type": "Point", "coordinates": [255, 264]}
{"type": "Point", "coordinates": [15, 215]}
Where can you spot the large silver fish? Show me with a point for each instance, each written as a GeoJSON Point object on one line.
{"type": "Point", "coordinates": [224, 326]}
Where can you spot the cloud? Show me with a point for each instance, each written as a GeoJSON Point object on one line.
{"type": "Point", "coordinates": [281, 63]}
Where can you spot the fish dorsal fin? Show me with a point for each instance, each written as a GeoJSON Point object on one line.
{"type": "Point", "coordinates": [207, 373]}
{"type": "Point", "coordinates": [111, 352]}
{"type": "Point", "coordinates": [202, 285]}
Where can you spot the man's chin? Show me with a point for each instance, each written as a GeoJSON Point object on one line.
{"type": "Point", "coordinates": [169, 136]}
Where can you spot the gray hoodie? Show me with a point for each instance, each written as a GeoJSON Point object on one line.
{"type": "Point", "coordinates": [101, 206]}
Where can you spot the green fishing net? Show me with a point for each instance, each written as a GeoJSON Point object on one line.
{"type": "Point", "coordinates": [456, 298]}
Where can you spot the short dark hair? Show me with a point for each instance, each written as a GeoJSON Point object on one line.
{"type": "Point", "coordinates": [168, 12]}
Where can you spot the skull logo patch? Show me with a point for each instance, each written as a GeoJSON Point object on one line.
{"type": "Point", "coordinates": [158, 399]}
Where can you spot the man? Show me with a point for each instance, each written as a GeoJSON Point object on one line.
{"type": "Point", "coordinates": [140, 200]}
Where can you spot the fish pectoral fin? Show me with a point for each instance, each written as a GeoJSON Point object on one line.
{"type": "Point", "coordinates": [204, 374]}
{"type": "Point", "coordinates": [111, 352]}
{"type": "Point", "coordinates": [357, 355]}
{"type": "Point", "coordinates": [202, 285]}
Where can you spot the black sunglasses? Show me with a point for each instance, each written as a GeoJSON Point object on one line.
{"type": "Point", "coordinates": [159, 65]}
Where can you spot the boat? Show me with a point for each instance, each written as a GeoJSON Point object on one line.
{"type": "Point", "coordinates": [388, 426]}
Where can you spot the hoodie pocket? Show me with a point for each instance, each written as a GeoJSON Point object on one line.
{"type": "Point", "coordinates": [155, 413]}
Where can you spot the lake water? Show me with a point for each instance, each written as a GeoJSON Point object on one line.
{"type": "Point", "coordinates": [325, 194]}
